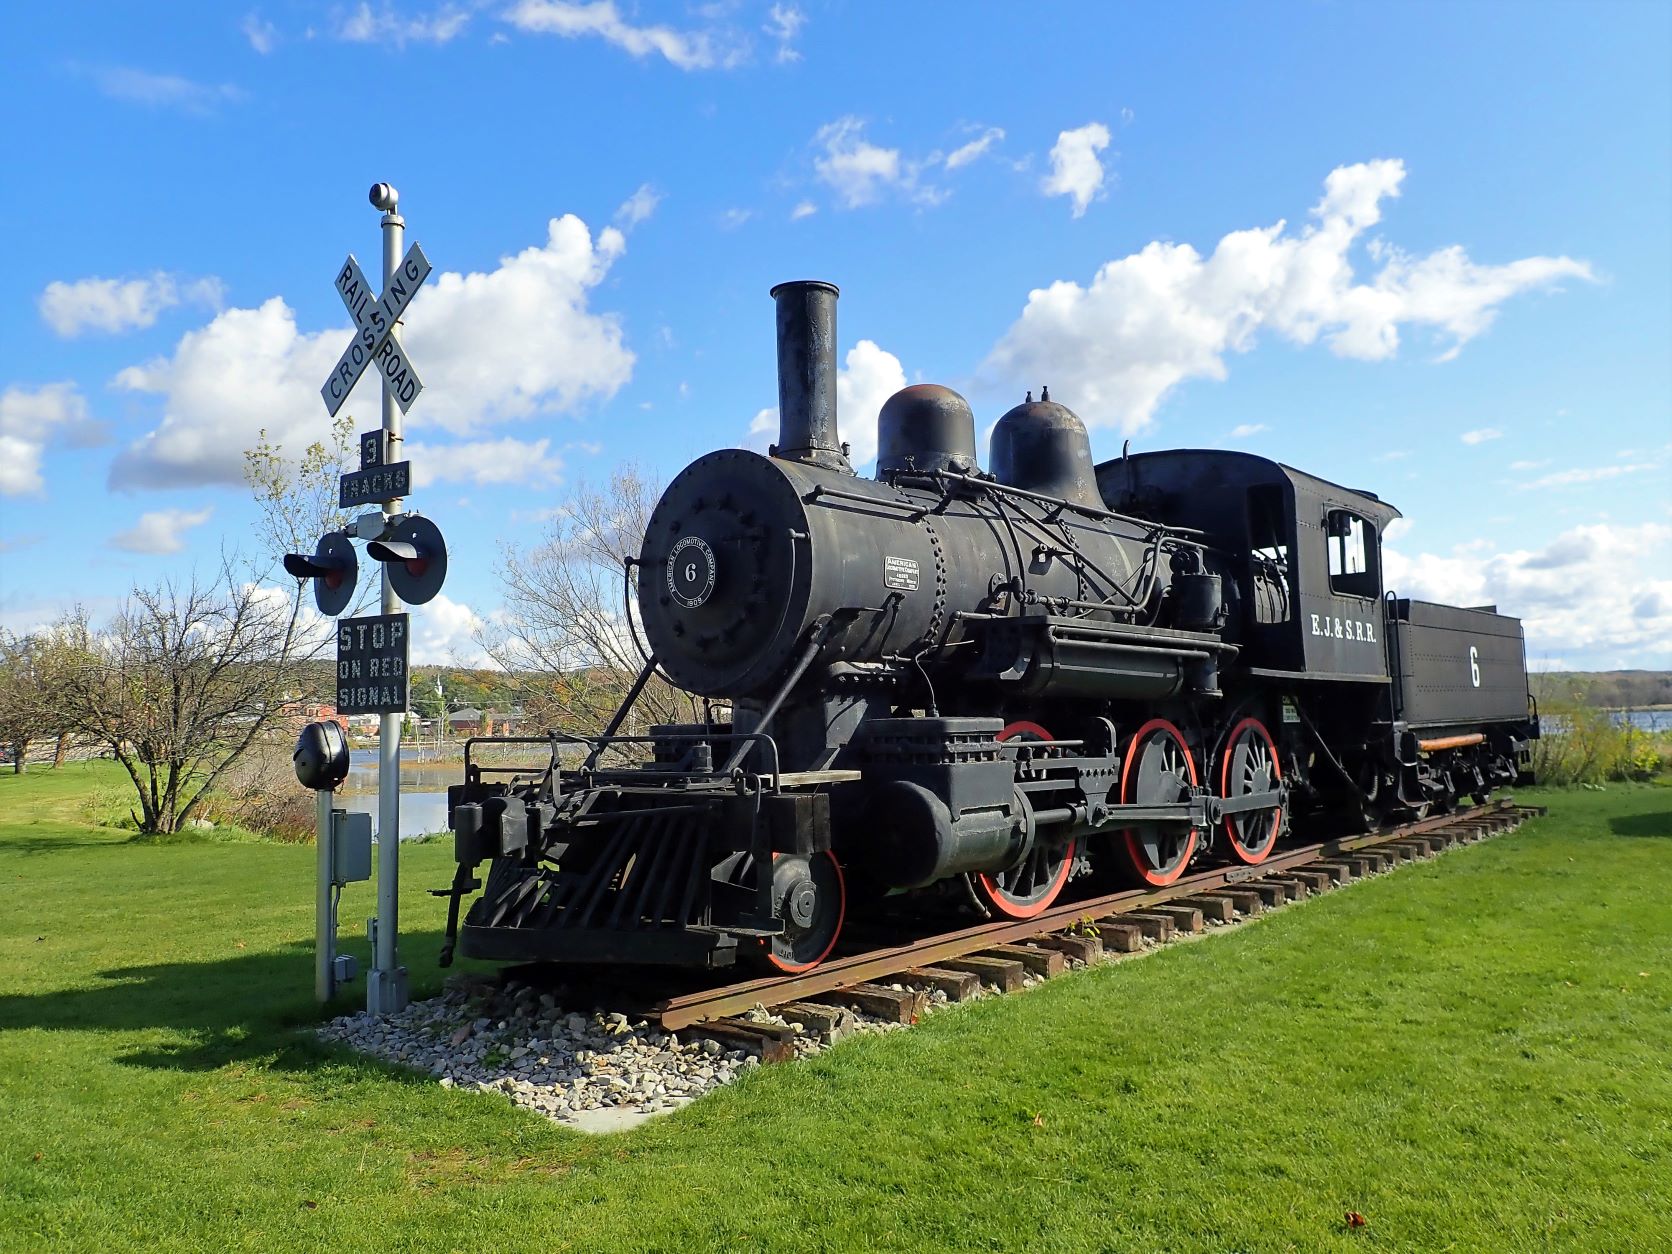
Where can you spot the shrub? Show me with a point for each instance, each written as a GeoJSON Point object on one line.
{"type": "Point", "coordinates": [1584, 745]}
{"type": "Point", "coordinates": [261, 795]}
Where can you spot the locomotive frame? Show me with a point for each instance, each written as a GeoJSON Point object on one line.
{"type": "Point", "coordinates": [950, 686]}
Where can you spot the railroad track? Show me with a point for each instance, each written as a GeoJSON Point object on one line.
{"type": "Point", "coordinates": [1004, 952]}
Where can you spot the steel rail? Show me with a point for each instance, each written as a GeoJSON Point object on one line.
{"type": "Point", "coordinates": [836, 974]}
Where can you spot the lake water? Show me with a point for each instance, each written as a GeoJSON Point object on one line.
{"type": "Point", "coordinates": [423, 788]}
{"type": "Point", "coordinates": [1646, 720]}
{"type": "Point", "coordinates": [1642, 720]}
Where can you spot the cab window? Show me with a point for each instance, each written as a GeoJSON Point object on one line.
{"type": "Point", "coordinates": [1352, 554]}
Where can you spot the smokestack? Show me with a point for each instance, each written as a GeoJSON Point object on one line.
{"type": "Point", "coordinates": [807, 374]}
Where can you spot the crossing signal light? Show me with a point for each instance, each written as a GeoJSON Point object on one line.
{"type": "Point", "coordinates": [333, 568]}
{"type": "Point", "coordinates": [415, 556]}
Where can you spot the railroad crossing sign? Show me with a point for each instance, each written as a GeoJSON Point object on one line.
{"type": "Point", "coordinates": [374, 324]}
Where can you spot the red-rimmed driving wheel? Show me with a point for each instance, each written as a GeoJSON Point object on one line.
{"type": "Point", "coordinates": [811, 897]}
{"type": "Point", "coordinates": [1157, 770]}
{"type": "Point", "coordinates": [1028, 888]}
{"type": "Point", "coordinates": [1249, 765]}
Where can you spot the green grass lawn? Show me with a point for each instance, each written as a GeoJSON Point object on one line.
{"type": "Point", "coordinates": [1474, 1053]}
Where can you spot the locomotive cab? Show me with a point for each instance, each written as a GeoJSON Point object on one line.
{"type": "Point", "coordinates": [1309, 564]}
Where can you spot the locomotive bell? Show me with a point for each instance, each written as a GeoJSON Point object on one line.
{"type": "Point", "coordinates": [1043, 446]}
{"type": "Point", "coordinates": [925, 428]}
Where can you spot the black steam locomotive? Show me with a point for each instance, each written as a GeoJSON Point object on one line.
{"type": "Point", "coordinates": [944, 681]}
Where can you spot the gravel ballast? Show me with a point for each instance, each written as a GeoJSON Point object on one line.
{"type": "Point", "coordinates": [598, 1071]}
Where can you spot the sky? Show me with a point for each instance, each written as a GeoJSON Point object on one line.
{"type": "Point", "coordinates": [1420, 248]}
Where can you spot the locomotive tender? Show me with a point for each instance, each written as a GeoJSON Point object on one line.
{"type": "Point", "coordinates": [944, 681]}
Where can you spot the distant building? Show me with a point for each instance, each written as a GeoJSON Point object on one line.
{"type": "Point", "coordinates": [465, 722]}
{"type": "Point", "coordinates": [297, 714]}
{"type": "Point", "coordinates": [471, 721]}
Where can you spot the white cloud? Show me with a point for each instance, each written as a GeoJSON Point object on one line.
{"type": "Point", "coordinates": [364, 25]}
{"type": "Point", "coordinates": [862, 173]}
{"type": "Point", "coordinates": [505, 460]}
{"type": "Point", "coordinates": [444, 633]}
{"type": "Point", "coordinates": [804, 209]}
{"type": "Point", "coordinates": [783, 24]}
{"type": "Point", "coordinates": [1075, 169]}
{"type": "Point", "coordinates": [1587, 474]}
{"type": "Point", "coordinates": [30, 419]}
{"type": "Point", "coordinates": [1481, 436]}
{"type": "Point", "coordinates": [1245, 429]}
{"type": "Point", "coordinates": [512, 342]}
{"type": "Point", "coordinates": [161, 531]}
{"type": "Point", "coordinates": [1595, 588]}
{"type": "Point", "coordinates": [731, 219]}
{"type": "Point", "coordinates": [638, 207]}
{"type": "Point", "coordinates": [572, 19]}
{"type": "Point", "coordinates": [1530, 465]}
{"type": "Point", "coordinates": [262, 34]}
{"type": "Point", "coordinates": [116, 305]}
{"type": "Point", "coordinates": [856, 169]}
{"type": "Point", "coordinates": [975, 148]}
{"type": "Point", "coordinates": [161, 91]}
{"type": "Point", "coordinates": [1147, 322]}
{"type": "Point", "coordinates": [869, 375]}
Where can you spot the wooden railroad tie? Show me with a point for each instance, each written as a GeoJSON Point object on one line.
{"type": "Point", "coordinates": [891, 1005]}
{"type": "Point", "coordinates": [1246, 900]}
{"type": "Point", "coordinates": [771, 1041]}
{"type": "Point", "coordinates": [1158, 927]}
{"type": "Point", "coordinates": [1120, 935]}
{"type": "Point", "coordinates": [1214, 907]}
{"type": "Point", "coordinates": [1005, 973]}
{"type": "Point", "coordinates": [1271, 893]}
{"type": "Point", "coordinates": [957, 985]}
{"type": "Point", "coordinates": [1082, 949]}
{"type": "Point", "coordinates": [1317, 881]}
{"type": "Point", "coordinates": [828, 1023]}
{"type": "Point", "coordinates": [1296, 887]}
{"type": "Point", "coordinates": [1186, 918]}
{"type": "Point", "coordinates": [1042, 962]}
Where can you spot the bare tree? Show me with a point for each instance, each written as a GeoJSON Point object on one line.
{"type": "Point", "coordinates": [183, 681]}
{"type": "Point", "coordinates": [566, 629]}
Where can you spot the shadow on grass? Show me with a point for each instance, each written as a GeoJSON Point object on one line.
{"type": "Point", "coordinates": [254, 1007]}
{"type": "Point", "coordinates": [14, 842]}
{"type": "Point", "coordinates": [1642, 824]}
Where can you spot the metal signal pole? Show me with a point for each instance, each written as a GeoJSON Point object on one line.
{"type": "Point", "coordinates": [386, 990]}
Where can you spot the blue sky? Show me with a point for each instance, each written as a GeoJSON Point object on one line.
{"type": "Point", "coordinates": [1422, 249]}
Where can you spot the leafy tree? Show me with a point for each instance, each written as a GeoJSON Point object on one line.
{"type": "Point", "coordinates": [25, 710]}
{"type": "Point", "coordinates": [298, 497]}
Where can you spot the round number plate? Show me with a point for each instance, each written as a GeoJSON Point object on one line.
{"type": "Point", "coordinates": [691, 571]}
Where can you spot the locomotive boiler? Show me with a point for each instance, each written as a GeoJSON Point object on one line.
{"type": "Point", "coordinates": [943, 683]}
